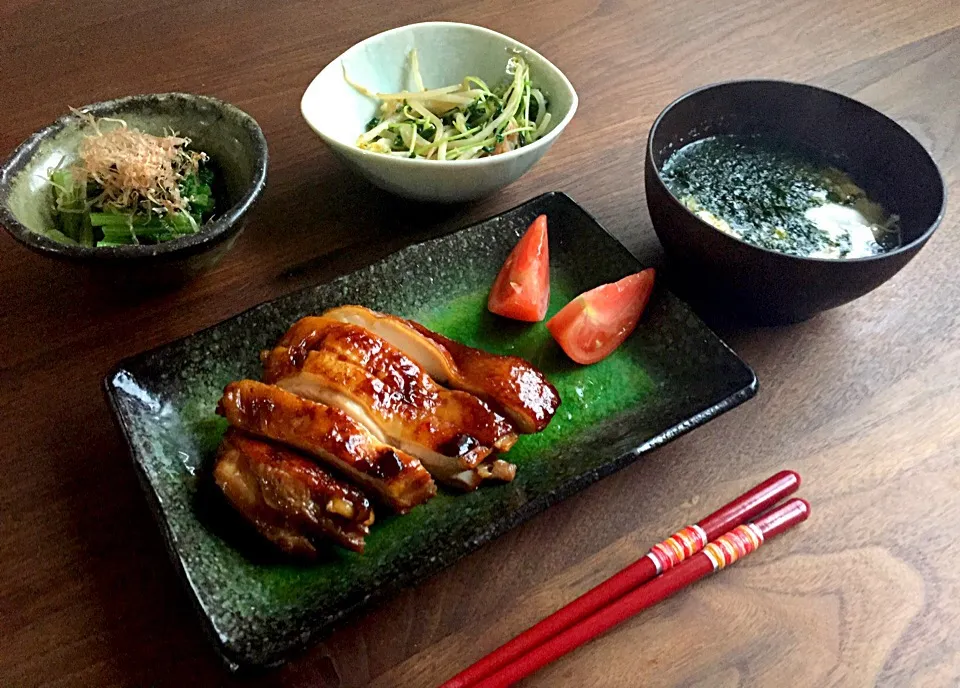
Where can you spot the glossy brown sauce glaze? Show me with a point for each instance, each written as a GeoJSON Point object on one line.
{"type": "Point", "coordinates": [509, 383]}
{"type": "Point", "coordinates": [330, 435]}
{"type": "Point", "coordinates": [388, 465]}
{"type": "Point", "coordinates": [290, 500]}
{"type": "Point", "coordinates": [390, 386]}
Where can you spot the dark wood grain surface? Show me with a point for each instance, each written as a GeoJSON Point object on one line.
{"type": "Point", "coordinates": [864, 401]}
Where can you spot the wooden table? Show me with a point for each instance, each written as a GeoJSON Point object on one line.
{"type": "Point", "coordinates": [863, 401]}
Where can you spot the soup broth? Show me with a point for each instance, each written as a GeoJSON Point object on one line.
{"type": "Point", "coordinates": [779, 198]}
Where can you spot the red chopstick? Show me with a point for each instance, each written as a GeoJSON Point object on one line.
{"type": "Point", "coordinates": [661, 557]}
{"type": "Point", "coordinates": [720, 553]}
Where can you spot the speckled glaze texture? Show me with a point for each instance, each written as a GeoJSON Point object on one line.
{"type": "Point", "coordinates": [672, 375]}
{"type": "Point", "coordinates": [231, 137]}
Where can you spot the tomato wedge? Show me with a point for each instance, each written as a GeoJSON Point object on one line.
{"type": "Point", "coordinates": [595, 323]}
{"type": "Point", "coordinates": [522, 288]}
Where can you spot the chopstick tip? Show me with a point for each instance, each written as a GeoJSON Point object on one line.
{"type": "Point", "coordinates": [793, 475]}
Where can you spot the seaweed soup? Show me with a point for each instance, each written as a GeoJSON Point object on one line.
{"type": "Point", "coordinates": [779, 197]}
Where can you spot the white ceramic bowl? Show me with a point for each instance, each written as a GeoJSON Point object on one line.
{"type": "Point", "coordinates": [447, 52]}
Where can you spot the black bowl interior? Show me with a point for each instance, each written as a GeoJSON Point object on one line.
{"type": "Point", "coordinates": [881, 157]}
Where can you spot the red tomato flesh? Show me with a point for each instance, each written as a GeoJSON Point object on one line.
{"type": "Point", "coordinates": [595, 323]}
{"type": "Point", "coordinates": [522, 288]}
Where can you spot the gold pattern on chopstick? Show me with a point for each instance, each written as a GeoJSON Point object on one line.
{"type": "Point", "coordinates": [681, 545]}
{"type": "Point", "coordinates": [734, 545]}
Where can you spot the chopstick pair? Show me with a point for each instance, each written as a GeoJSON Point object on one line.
{"type": "Point", "coordinates": [713, 543]}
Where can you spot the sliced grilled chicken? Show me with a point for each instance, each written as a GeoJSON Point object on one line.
{"type": "Point", "coordinates": [331, 436]}
{"type": "Point", "coordinates": [291, 501]}
{"type": "Point", "coordinates": [392, 385]}
{"type": "Point", "coordinates": [344, 365]}
{"type": "Point", "coordinates": [508, 383]}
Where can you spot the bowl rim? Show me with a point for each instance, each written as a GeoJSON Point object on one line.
{"type": "Point", "coordinates": [211, 232]}
{"type": "Point", "coordinates": [544, 142]}
{"type": "Point", "coordinates": [905, 248]}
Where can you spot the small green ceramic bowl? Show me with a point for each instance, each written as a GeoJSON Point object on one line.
{"type": "Point", "coordinates": [232, 139]}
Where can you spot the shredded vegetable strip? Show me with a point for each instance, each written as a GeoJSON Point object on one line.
{"type": "Point", "coordinates": [415, 70]}
{"type": "Point", "coordinates": [457, 122]}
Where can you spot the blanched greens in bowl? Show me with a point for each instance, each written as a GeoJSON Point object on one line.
{"type": "Point", "coordinates": [128, 187]}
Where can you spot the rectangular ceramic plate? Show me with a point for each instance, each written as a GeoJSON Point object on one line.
{"type": "Point", "coordinates": [671, 375]}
